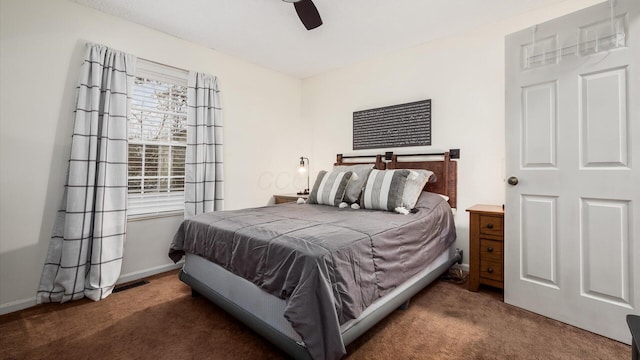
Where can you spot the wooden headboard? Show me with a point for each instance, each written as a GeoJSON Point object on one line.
{"type": "Point", "coordinates": [379, 164]}
{"type": "Point", "coordinates": [446, 172]}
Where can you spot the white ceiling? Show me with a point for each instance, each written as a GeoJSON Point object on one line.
{"type": "Point", "coordinates": [269, 33]}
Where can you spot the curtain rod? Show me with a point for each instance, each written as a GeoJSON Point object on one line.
{"type": "Point", "coordinates": [159, 63]}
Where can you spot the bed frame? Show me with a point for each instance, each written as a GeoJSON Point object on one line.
{"type": "Point", "coordinates": [445, 170]}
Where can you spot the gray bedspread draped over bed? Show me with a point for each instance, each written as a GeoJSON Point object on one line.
{"type": "Point", "coordinates": [328, 263]}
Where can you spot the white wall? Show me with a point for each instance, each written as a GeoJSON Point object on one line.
{"type": "Point", "coordinates": [464, 78]}
{"type": "Point", "coordinates": [40, 55]}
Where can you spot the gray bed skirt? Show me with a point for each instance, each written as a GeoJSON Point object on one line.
{"type": "Point", "coordinates": [298, 350]}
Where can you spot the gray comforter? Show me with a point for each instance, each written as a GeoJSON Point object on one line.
{"type": "Point", "coordinates": [328, 263]}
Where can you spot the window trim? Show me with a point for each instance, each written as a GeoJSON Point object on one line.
{"type": "Point", "coordinates": [168, 74]}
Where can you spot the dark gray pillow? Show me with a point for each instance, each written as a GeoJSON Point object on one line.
{"type": "Point", "coordinates": [384, 189]}
{"type": "Point", "coordinates": [329, 188]}
{"type": "Point", "coordinates": [354, 188]}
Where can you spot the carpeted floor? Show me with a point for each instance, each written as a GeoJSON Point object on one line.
{"type": "Point", "coordinates": [162, 321]}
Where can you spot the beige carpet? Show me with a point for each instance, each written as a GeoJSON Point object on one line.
{"type": "Point", "coordinates": [162, 321]}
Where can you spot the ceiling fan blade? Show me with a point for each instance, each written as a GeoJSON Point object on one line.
{"type": "Point", "coordinates": [308, 14]}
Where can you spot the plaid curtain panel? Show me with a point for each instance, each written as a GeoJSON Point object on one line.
{"type": "Point", "coordinates": [85, 252]}
{"type": "Point", "coordinates": [203, 187]}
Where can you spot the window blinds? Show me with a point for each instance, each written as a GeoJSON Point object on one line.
{"type": "Point", "coordinates": [157, 140]}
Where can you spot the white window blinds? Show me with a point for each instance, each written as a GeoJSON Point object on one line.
{"type": "Point", "coordinates": [157, 140]}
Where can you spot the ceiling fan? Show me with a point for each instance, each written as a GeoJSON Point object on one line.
{"type": "Point", "coordinates": [307, 12]}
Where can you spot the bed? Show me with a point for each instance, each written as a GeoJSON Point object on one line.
{"type": "Point", "coordinates": [312, 278]}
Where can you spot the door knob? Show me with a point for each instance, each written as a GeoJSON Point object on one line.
{"type": "Point", "coordinates": [512, 180]}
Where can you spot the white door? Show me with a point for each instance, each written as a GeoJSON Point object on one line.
{"type": "Point", "coordinates": [572, 221]}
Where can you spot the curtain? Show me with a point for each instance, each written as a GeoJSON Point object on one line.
{"type": "Point", "coordinates": [85, 252]}
{"type": "Point", "coordinates": [203, 166]}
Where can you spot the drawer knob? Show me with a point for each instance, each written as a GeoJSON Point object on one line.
{"type": "Point", "coordinates": [490, 270]}
{"type": "Point", "coordinates": [489, 226]}
{"type": "Point", "coordinates": [490, 249]}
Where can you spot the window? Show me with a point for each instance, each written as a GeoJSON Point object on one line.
{"type": "Point", "coordinates": [157, 140]}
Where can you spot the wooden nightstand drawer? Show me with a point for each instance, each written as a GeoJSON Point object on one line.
{"type": "Point", "coordinates": [486, 246]}
{"type": "Point", "coordinates": [491, 250]}
{"type": "Point", "coordinates": [490, 225]}
{"type": "Point", "coordinates": [491, 270]}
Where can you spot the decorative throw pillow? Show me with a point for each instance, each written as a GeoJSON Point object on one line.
{"type": "Point", "coordinates": [415, 183]}
{"type": "Point", "coordinates": [354, 188]}
{"type": "Point", "coordinates": [329, 188]}
{"type": "Point", "coordinates": [384, 189]}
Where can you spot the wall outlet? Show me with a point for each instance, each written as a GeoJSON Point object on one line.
{"type": "Point", "coordinates": [454, 153]}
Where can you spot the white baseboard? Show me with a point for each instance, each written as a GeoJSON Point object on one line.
{"type": "Point", "coordinates": [22, 304]}
{"type": "Point", "coordinates": [124, 278]}
{"type": "Point", "coordinates": [17, 305]}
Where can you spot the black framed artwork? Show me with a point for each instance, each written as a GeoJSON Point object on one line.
{"type": "Point", "coordinates": [393, 126]}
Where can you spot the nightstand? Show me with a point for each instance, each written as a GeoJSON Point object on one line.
{"type": "Point", "coordinates": [486, 246]}
{"type": "Point", "coordinates": [286, 198]}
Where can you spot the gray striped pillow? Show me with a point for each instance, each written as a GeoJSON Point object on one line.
{"type": "Point", "coordinates": [360, 175]}
{"type": "Point", "coordinates": [384, 189]}
{"type": "Point", "coordinates": [329, 188]}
